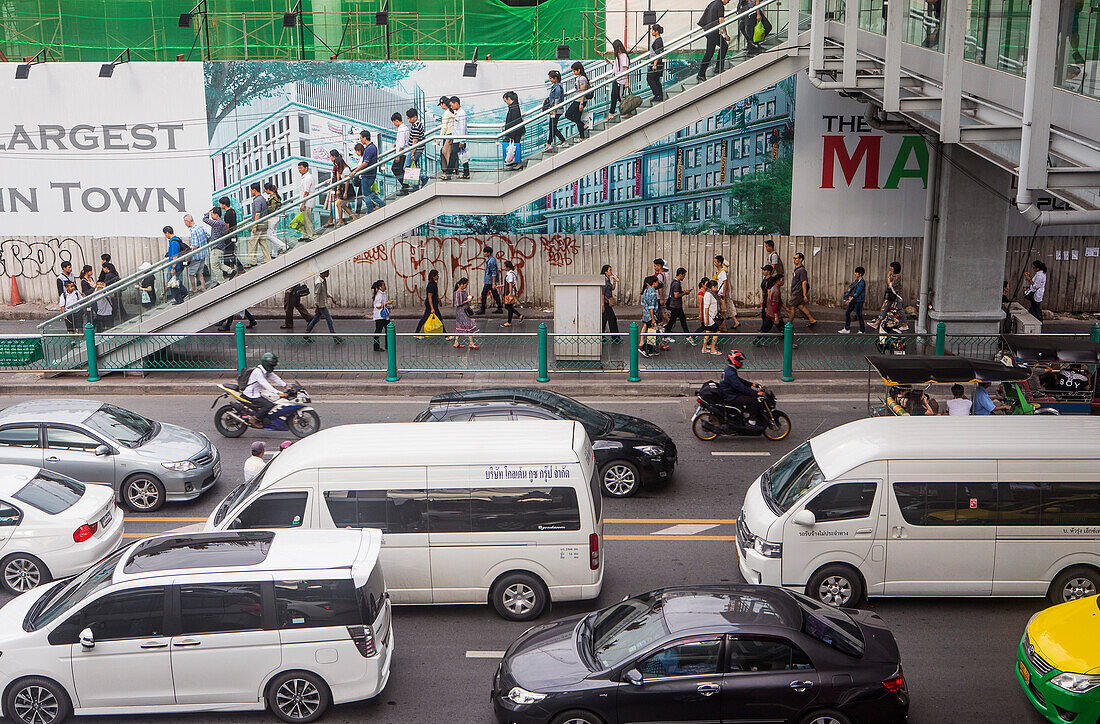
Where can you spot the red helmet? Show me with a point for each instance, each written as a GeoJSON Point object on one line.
{"type": "Point", "coordinates": [736, 358]}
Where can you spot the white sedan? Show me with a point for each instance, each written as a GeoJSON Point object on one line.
{"type": "Point", "coordinates": [52, 526]}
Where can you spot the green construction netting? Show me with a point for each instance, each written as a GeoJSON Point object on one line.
{"type": "Point", "coordinates": [97, 30]}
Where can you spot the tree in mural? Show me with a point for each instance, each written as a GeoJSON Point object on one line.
{"type": "Point", "coordinates": [510, 223]}
{"type": "Point", "coordinates": [232, 84]}
{"type": "Point", "coordinates": [763, 200]}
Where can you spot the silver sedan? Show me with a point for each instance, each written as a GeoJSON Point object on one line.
{"type": "Point", "coordinates": [144, 461]}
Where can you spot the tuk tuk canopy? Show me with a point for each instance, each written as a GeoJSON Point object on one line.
{"type": "Point", "coordinates": [930, 369]}
{"type": "Point", "coordinates": [1031, 349]}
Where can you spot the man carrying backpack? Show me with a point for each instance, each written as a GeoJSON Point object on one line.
{"type": "Point", "coordinates": [260, 387]}
{"type": "Point", "coordinates": [292, 300]}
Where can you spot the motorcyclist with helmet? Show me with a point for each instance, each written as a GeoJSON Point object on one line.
{"type": "Point", "coordinates": [738, 391]}
{"type": "Point", "coordinates": [262, 388]}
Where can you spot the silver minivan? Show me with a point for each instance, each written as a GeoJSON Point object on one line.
{"type": "Point", "coordinates": [145, 461]}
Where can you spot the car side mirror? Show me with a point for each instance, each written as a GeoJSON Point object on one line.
{"type": "Point", "coordinates": [87, 640]}
{"type": "Point", "coordinates": [102, 450]}
{"type": "Point", "coordinates": [804, 517]}
{"type": "Point", "coordinates": [633, 677]}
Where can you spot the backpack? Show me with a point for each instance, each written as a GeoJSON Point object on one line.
{"type": "Point", "coordinates": [242, 378]}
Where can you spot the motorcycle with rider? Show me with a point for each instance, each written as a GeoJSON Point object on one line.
{"type": "Point", "coordinates": [735, 406]}
{"type": "Point", "coordinates": [257, 401]}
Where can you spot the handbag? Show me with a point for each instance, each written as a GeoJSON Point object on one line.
{"type": "Point", "coordinates": [412, 173]}
{"type": "Point", "coordinates": [629, 104]}
{"type": "Point", "coordinates": [385, 313]}
{"type": "Point", "coordinates": [759, 32]}
{"type": "Point", "coordinates": [433, 325]}
{"type": "Point", "coordinates": [510, 153]}
{"type": "Point", "coordinates": [509, 298]}
{"type": "Point", "coordinates": [464, 155]}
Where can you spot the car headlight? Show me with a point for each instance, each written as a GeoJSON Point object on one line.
{"type": "Point", "coordinates": [182, 466]}
{"type": "Point", "coordinates": [651, 450]}
{"type": "Point", "coordinates": [519, 695]}
{"type": "Point", "coordinates": [606, 445]}
{"type": "Point", "coordinates": [768, 549]}
{"type": "Point", "coordinates": [1077, 683]}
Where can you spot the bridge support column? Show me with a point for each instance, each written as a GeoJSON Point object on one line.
{"type": "Point", "coordinates": [972, 239]}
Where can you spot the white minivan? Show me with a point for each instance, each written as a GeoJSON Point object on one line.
{"type": "Point", "coordinates": [288, 620]}
{"type": "Point", "coordinates": [930, 506]}
{"type": "Point", "coordinates": [507, 513]}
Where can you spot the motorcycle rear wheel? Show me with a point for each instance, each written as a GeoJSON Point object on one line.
{"type": "Point", "coordinates": [782, 426]}
{"type": "Point", "coordinates": [702, 433]}
{"type": "Point", "coordinates": [305, 423]}
{"type": "Point", "coordinates": [226, 424]}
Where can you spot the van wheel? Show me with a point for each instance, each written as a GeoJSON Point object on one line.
{"type": "Point", "coordinates": [36, 700]}
{"type": "Point", "coordinates": [143, 493]}
{"type": "Point", "coordinates": [825, 716]}
{"type": "Point", "coordinates": [619, 479]}
{"type": "Point", "coordinates": [1074, 583]}
{"type": "Point", "coordinates": [836, 585]}
{"type": "Point", "coordinates": [22, 572]}
{"type": "Point", "coordinates": [298, 696]}
{"type": "Point", "coordinates": [519, 597]}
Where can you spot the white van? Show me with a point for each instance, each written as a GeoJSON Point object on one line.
{"type": "Point", "coordinates": [290, 620]}
{"type": "Point", "coordinates": [931, 506]}
{"type": "Point", "coordinates": [471, 512]}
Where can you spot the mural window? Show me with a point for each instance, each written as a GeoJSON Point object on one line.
{"type": "Point", "coordinates": [745, 147]}
{"type": "Point", "coordinates": [660, 174]}
{"type": "Point", "coordinates": [771, 108]}
{"type": "Point", "coordinates": [759, 168]}
{"type": "Point", "coordinates": [748, 112]}
{"type": "Point", "coordinates": [759, 143]}
{"type": "Point", "coordinates": [710, 154]}
{"type": "Point", "coordinates": [664, 214]}
{"type": "Point", "coordinates": [718, 204]}
{"type": "Point", "coordinates": [735, 148]}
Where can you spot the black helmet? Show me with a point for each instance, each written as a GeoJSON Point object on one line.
{"type": "Point", "coordinates": [269, 361]}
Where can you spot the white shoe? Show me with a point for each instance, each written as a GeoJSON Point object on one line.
{"type": "Point", "coordinates": [844, 331]}
{"type": "Point", "coordinates": [903, 327]}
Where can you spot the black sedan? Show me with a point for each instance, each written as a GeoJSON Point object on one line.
{"type": "Point", "coordinates": [630, 452]}
{"type": "Point", "coordinates": [705, 654]}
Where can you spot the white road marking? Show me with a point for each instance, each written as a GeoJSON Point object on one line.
{"type": "Point", "coordinates": [740, 453]}
{"type": "Point", "coordinates": [485, 654]}
{"type": "Point", "coordinates": [684, 529]}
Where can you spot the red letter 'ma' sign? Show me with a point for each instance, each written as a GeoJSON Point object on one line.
{"type": "Point", "coordinates": [867, 150]}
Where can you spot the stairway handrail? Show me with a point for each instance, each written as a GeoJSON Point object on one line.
{"type": "Point", "coordinates": [640, 61]}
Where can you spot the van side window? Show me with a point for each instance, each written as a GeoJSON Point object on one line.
{"type": "Point", "coordinates": [392, 511]}
{"type": "Point", "coordinates": [220, 608]}
{"type": "Point", "coordinates": [130, 614]}
{"type": "Point", "coordinates": [274, 510]}
{"type": "Point", "coordinates": [498, 510]}
{"type": "Point", "coordinates": [1048, 503]}
{"type": "Point", "coordinates": [843, 501]}
{"type": "Point", "coordinates": [308, 604]}
{"type": "Point", "coordinates": [973, 503]}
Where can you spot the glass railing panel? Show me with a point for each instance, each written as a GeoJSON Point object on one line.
{"type": "Point", "coordinates": [1078, 64]}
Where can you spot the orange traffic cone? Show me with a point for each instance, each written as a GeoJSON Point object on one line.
{"type": "Point", "coordinates": [15, 298]}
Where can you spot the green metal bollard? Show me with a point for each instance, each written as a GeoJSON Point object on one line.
{"type": "Point", "coordinates": [242, 362]}
{"type": "Point", "coordinates": [634, 376]}
{"type": "Point", "coordinates": [544, 375]}
{"type": "Point", "coordinates": [941, 339]}
{"type": "Point", "coordinates": [788, 353]}
{"type": "Point", "coordinates": [1096, 333]}
{"type": "Point", "coordinates": [89, 342]}
{"type": "Point", "coordinates": [391, 353]}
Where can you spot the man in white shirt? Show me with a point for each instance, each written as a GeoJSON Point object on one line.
{"type": "Point", "coordinates": [460, 130]}
{"type": "Point", "coordinates": [261, 389]}
{"type": "Point", "coordinates": [400, 144]}
{"type": "Point", "coordinates": [69, 298]}
{"type": "Point", "coordinates": [306, 184]}
{"type": "Point", "coordinates": [255, 462]}
{"type": "Point", "coordinates": [959, 405]}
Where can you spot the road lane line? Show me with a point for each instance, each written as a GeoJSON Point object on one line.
{"type": "Point", "coordinates": [671, 537]}
{"type": "Point", "coordinates": [162, 519]}
{"type": "Point", "coordinates": [684, 529]}
{"type": "Point", "coordinates": [670, 520]}
{"type": "Point", "coordinates": [747, 454]}
{"type": "Point", "coordinates": [485, 654]}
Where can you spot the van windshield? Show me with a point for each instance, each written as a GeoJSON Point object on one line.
{"type": "Point", "coordinates": [791, 478]}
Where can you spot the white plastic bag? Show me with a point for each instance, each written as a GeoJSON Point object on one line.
{"type": "Point", "coordinates": [510, 153]}
{"type": "Point", "coordinates": [464, 155]}
{"type": "Point", "coordinates": [412, 173]}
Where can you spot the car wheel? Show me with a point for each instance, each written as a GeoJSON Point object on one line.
{"type": "Point", "coordinates": [228, 423]}
{"type": "Point", "coordinates": [825, 716]}
{"type": "Point", "coordinates": [706, 426]}
{"type": "Point", "coordinates": [836, 586]}
{"type": "Point", "coordinates": [21, 572]}
{"type": "Point", "coordinates": [1074, 583]}
{"type": "Point", "coordinates": [305, 423]}
{"type": "Point", "coordinates": [298, 696]}
{"type": "Point", "coordinates": [519, 597]}
{"type": "Point", "coordinates": [620, 479]}
{"type": "Point", "coordinates": [36, 700]}
{"type": "Point", "coordinates": [143, 493]}
{"type": "Point", "coordinates": [576, 716]}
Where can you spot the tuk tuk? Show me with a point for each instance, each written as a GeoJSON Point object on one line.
{"type": "Point", "coordinates": [1063, 371]}
{"type": "Point", "coordinates": [908, 378]}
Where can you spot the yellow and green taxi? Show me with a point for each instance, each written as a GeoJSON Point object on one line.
{"type": "Point", "coordinates": [1058, 661]}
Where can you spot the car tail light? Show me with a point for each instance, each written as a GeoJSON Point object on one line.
{"type": "Point", "coordinates": [85, 532]}
{"type": "Point", "coordinates": [896, 682]}
{"type": "Point", "coordinates": [594, 552]}
{"type": "Point", "coordinates": [363, 637]}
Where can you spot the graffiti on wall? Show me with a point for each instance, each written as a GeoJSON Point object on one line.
{"type": "Point", "coordinates": [370, 256]}
{"type": "Point", "coordinates": [560, 250]}
{"type": "Point", "coordinates": [29, 259]}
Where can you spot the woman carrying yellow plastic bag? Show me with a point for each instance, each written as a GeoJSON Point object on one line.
{"type": "Point", "coordinates": [432, 319]}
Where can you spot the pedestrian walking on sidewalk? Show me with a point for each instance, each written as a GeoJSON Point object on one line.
{"type": "Point", "coordinates": [292, 300]}
{"type": "Point", "coordinates": [244, 314]}
{"type": "Point", "coordinates": [511, 293]}
{"type": "Point", "coordinates": [800, 291]}
{"type": "Point", "coordinates": [773, 309]}
{"type": "Point", "coordinates": [717, 39]}
{"type": "Point", "coordinates": [68, 299]}
{"type": "Point", "coordinates": [657, 66]}
{"type": "Point", "coordinates": [709, 311]}
{"type": "Point", "coordinates": [727, 311]}
{"type": "Point", "coordinates": [555, 96]}
{"type": "Point", "coordinates": [893, 298]}
{"type": "Point", "coordinates": [676, 295]}
{"type": "Point", "coordinates": [431, 302]}
{"type": "Point", "coordinates": [323, 299]}
{"type": "Point", "coordinates": [610, 322]}
{"type": "Point", "coordinates": [853, 299]}
{"type": "Point", "coordinates": [380, 304]}
{"type": "Point", "coordinates": [651, 305]}
{"type": "Point", "coordinates": [464, 323]}
{"type": "Point", "coordinates": [772, 257]}
{"type": "Point", "coordinates": [1037, 289]}
{"type": "Point", "coordinates": [66, 275]}
{"type": "Point", "coordinates": [491, 281]}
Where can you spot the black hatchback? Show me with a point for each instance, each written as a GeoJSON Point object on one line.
{"type": "Point", "coordinates": [630, 452]}
{"type": "Point", "coordinates": [705, 654]}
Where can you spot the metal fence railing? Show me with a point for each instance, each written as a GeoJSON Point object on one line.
{"type": "Point", "coordinates": [542, 353]}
